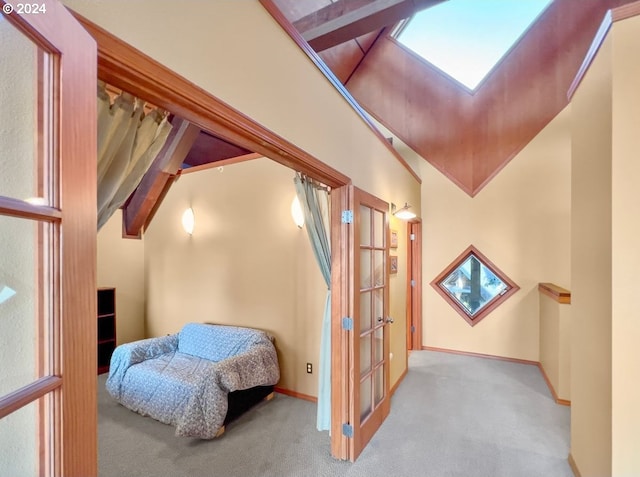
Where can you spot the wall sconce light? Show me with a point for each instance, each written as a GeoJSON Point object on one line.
{"type": "Point", "coordinates": [188, 221]}
{"type": "Point", "coordinates": [297, 213]}
{"type": "Point", "coordinates": [6, 293]}
{"type": "Point", "coordinates": [404, 213]}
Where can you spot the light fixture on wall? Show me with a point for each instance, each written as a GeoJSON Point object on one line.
{"type": "Point", "coordinates": [404, 213]}
{"type": "Point", "coordinates": [188, 221]}
{"type": "Point", "coordinates": [297, 213]}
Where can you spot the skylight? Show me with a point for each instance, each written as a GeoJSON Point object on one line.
{"type": "Point", "coordinates": [467, 38]}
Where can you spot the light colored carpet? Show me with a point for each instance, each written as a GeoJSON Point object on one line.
{"type": "Point", "coordinates": [452, 416]}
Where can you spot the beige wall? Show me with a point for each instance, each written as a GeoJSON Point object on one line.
{"type": "Point", "coordinates": [625, 259]}
{"type": "Point", "coordinates": [121, 265]}
{"type": "Point", "coordinates": [246, 264]}
{"type": "Point", "coordinates": [591, 269]}
{"type": "Point", "coordinates": [521, 222]}
{"type": "Point", "coordinates": [555, 344]}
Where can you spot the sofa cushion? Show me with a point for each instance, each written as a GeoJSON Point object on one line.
{"type": "Point", "coordinates": [216, 342]}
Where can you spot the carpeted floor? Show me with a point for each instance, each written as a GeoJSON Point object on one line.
{"type": "Point", "coordinates": [451, 416]}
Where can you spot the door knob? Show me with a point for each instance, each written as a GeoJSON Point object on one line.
{"type": "Point", "coordinates": [379, 319]}
{"type": "Point", "coordinates": [389, 319]}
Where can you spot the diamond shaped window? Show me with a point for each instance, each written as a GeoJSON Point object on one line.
{"type": "Point", "coordinates": [466, 39]}
{"type": "Point", "coordinates": [473, 285]}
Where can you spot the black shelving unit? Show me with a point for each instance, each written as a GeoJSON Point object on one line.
{"type": "Point", "coordinates": [106, 327]}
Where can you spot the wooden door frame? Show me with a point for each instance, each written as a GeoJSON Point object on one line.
{"type": "Point", "coordinates": [342, 259]}
{"type": "Point", "coordinates": [127, 68]}
{"type": "Point", "coordinates": [414, 271]}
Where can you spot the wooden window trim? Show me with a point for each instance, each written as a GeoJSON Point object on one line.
{"type": "Point", "coordinates": [491, 305]}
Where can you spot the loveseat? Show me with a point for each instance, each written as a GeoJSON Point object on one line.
{"type": "Point", "coordinates": [187, 379]}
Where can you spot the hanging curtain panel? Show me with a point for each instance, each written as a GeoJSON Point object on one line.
{"type": "Point", "coordinates": [128, 142]}
{"type": "Point", "coordinates": [314, 199]}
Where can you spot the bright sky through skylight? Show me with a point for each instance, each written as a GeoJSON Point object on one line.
{"type": "Point", "coordinates": [467, 38]}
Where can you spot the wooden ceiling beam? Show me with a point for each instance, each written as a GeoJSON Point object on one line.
{"type": "Point", "coordinates": [345, 20]}
{"type": "Point", "coordinates": [153, 186]}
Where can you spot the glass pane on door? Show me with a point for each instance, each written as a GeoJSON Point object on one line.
{"type": "Point", "coordinates": [366, 404]}
{"type": "Point", "coordinates": [365, 226]}
{"type": "Point", "coordinates": [19, 441]}
{"type": "Point", "coordinates": [22, 115]}
{"type": "Point", "coordinates": [379, 267]}
{"type": "Point", "coordinates": [365, 354]}
{"type": "Point", "coordinates": [366, 316]}
{"type": "Point", "coordinates": [365, 269]}
{"type": "Point", "coordinates": [22, 303]}
{"type": "Point", "coordinates": [379, 384]}
{"type": "Point", "coordinates": [379, 231]}
{"type": "Point", "coordinates": [378, 305]}
{"type": "Point", "coordinates": [378, 346]}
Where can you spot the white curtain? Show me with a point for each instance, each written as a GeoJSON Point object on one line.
{"type": "Point", "coordinates": [314, 199]}
{"type": "Point", "coordinates": [128, 142]}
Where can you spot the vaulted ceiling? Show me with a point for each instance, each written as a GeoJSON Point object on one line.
{"type": "Point", "coordinates": [468, 137]}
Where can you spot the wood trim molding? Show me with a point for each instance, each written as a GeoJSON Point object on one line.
{"type": "Point", "coordinates": [616, 14]}
{"type": "Point", "coordinates": [559, 294]}
{"type": "Point", "coordinates": [27, 394]}
{"type": "Point", "coordinates": [345, 20]}
{"type": "Point", "coordinates": [602, 33]}
{"type": "Point", "coordinates": [146, 197]}
{"type": "Point", "coordinates": [398, 382]}
{"type": "Point", "coordinates": [563, 402]}
{"type": "Point", "coordinates": [297, 37]}
{"type": "Point", "coordinates": [21, 209]}
{"type": "Point", "coordinates": [573, 465]}
{"type": "Point", "coordinates": [221, 163]}
{"type": "Point", "coordinates": [414, 299]}
{"type": "Point", "coordinates": [480, 355]}
{"type": "Point", "coordinates": [127, 68]}
{"type": "Point", "coordinates": [296, 394]}
{"type": "Point", "coordinates": [626, 11]}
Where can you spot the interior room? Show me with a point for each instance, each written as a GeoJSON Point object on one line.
{"type": "Point", "coordinates": [519, 259]}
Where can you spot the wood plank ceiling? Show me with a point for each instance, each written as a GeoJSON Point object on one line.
{"type": "Point", "coordinates": [468, 137]}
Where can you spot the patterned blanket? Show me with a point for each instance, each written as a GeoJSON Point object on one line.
{"type": "Point", "coordinates": [155, 378]}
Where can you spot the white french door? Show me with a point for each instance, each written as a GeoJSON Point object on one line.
{"type": "Point", "coordinates": [47, 242]}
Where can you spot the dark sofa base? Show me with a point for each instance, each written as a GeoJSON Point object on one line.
{"type": "Point", "coordinates": [241, 401]}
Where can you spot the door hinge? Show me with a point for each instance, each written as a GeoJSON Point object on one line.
{"type": "Point", "coordinates": [347, 430]}
{"type": "Point", "coordinates": [347, 216]}
{"type": "Point", "coordinates": [413, 329]}
{"type": "Point", "coordinates": [412, 236]}
{"type": "Point", "coordinates": [347, 323]}
{"type": "Point", "coordinates": [413, 283]}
